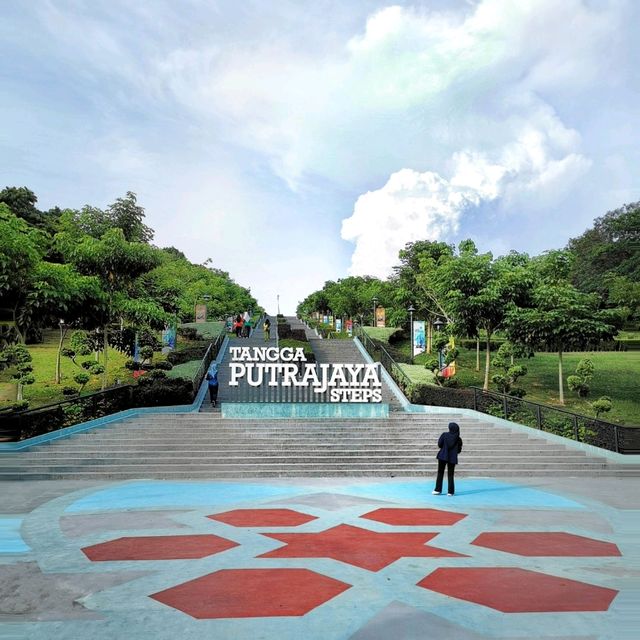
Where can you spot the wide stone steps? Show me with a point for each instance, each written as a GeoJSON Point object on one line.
{"type": "Point", "coordinates": [181, 446]}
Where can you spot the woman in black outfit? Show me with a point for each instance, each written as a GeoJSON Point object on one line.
{"type": "Point", "coordinates": [450, 445]}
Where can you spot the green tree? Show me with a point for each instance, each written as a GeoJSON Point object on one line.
{"type": "Point", "coordinates": [559, 317]}
{"type": "Point", "coordinates": [480, 291]}
{"type": "Point", "coordinates": [581, 381]}
{"type": "Point", "coordinates": [510, 373]}
{"type": "Point", "coordinates": [18, 359]}
{"type": "Point", "coordinates": [602, 405]}
{"type": "Point", "coordinates": [117, 263]}
{"type": "Point", "coordinates": [610, 247]}
{"type": "Point", "coordinates": [22, 203]}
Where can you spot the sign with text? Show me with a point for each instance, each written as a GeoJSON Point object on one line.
{"type": "Point", "coordinates": [201, 313]}
{"type": "Point", "coordinates": [288, 367]}
{"type": "Point", "coordinates": [419, 341]}
{"type": "Point", "coordinates": [380, 317]}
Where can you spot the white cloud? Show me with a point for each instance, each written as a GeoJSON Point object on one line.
{"type": "Point", "coordinates": [425, 206]}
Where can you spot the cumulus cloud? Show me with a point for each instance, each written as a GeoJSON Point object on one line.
{"type": "Point", "coordinates": [425, 206]}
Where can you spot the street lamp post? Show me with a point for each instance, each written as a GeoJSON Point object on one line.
{"type": "Point", "coordinates": [411, 309]}
{"type": "Point", "coordinates": [278, 313]}
{"type": "Point", "coordinates": [437, 325]}
{"type": "Point", "coordinates": [375, 305]}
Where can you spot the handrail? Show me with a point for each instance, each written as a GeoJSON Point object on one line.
{"type": "Point", "coordinates": [394, 369]}
{"type": "Point", "coordinates": [210, 354]}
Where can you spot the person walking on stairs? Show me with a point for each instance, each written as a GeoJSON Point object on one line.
{"type": "Point", "coordinates": [212, 381]}
{"type": "Point", "coordinates": [247, 327]}
{"type": "Point", "coordinates": [266, 328]}
{"type": "Point", "coordinates": [450, 445]}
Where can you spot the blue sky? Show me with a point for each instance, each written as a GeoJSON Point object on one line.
{"type": "Point", "coordinates": [269, 136]}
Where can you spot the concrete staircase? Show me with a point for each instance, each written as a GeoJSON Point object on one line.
{"type": "Point", "coordinates": [341, 352]}
{"type": "Point", "coordinates": [204, 445]}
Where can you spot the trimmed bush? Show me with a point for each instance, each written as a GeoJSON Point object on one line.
{"type": "Point", "coordinates": [162, 392]}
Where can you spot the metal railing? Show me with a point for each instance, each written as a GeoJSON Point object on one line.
{"type": "Point", "coordinates": [57, 415]}
{"type": "Point", "coordinates": [210, 355]}
{"type": "Point", "coordinates": [562, 422]}
{"type": "Point", "coordinates": [380, 354]}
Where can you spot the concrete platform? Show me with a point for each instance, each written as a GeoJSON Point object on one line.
{"type": "Point", "coordinates": [321, 559]}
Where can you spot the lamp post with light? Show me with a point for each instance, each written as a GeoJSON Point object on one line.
{"type": "Point", "coordinates": [411, 309]}
{"type": "Point", "coordinates": [437, 325]}
{"type": "Point", "coordinates": [375, 306]}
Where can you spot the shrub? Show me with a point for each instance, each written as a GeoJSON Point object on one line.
{"type": "Point", "coordinates": [96, 369]}
{"type": "Point", "coordinates": [580, 382]}
{"type": "Point", "coordinates": [69, 391]}
{"type": "Point", "coordinates": [601, 405]}
{"type": "Point", "coordinates": [439, 396]}
{"type": "Point", "coordinates": [163, 392]}
{"type": "Point", "coordinates": [165, 365]}
{"type": "Point", "coordinates": [156, 374]}
{"type": "Point", "coordinates": [188, 333]}
{"type": "Point", "coordinates": [130, 364]}
{"type": "Point", "coordinates": [81, 379]}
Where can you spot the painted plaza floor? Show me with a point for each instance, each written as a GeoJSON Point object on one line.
{"type": "Point", "coordinates": [357, 559]}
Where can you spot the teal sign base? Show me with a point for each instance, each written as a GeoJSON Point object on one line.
{"type": "Point", "coordinates": [287, 410]}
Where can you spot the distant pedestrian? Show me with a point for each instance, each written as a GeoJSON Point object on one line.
{"type": "Point", "coordinates": [266, 328]}
{"type": "Point", "coordinates": [237, 326]}
{"type": "Point", "coordinates": [212, 381]}
{"type": "Point", "coordinates": [450, 445]}
{"type": "Point", "coordinates": [247, 328]}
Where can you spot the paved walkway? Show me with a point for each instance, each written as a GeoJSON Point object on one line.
{"type": "Point", "coordinates": [357, 559]}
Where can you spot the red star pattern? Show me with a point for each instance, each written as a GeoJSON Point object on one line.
{"type": "Point", "coordinates": [360, 547]}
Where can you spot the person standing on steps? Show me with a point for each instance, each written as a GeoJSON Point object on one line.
{"type": "Point", "coordinates": [212, 381]}
{"type": "Point", "coordinates": [450, 445]}
{"type": "Point", "coordinates": [247, 327]}
{"type": "Point", "coordinates": [238, 325]}
{"type": "Point", "coordinates": [266, 328]}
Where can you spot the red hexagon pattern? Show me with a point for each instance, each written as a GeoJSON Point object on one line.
{"type": "Point", "coordinates": [415, 517]}
{"type": "Point", "coordinates": [513, 590]}
{"type": "Point", "coordinates": [525, 543]}
{"type": "Point", "coordinates": [263, 518]}
{"type": "Point", "coordinates": [251, 593]}
{"type": "Point", "coordinates": [158, 548]}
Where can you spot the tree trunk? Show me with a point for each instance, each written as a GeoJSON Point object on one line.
{"type": "Point", "coordinates": [63, 333]}
{"type": "Point", "coordinates": [560, 384]}
{"type": "Point", "coordinates": [21, 337]}
{"type": "Point", "coordinates": [105, 343]}
{"type": "Point", "coordinates": [478, 353]}
{"type": "Point", "coordinates": [487, 363]}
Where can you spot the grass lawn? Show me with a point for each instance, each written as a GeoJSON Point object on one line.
{"type": "Point", "coordinates": [207, 330]}
{"type": "Point", "coordinates": [185, 370]}
{"type": "Point", "coordinates": [44, 390]}
{"type": "Point", "coordinates": [295, 344]}
{"type": "Point", "coordinates": [617, 375]}
{"type": "Point", "coordinates": [380, 333]}
{"type": "Point", "coordinates": [417, 373]}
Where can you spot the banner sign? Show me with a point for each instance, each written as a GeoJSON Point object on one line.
{"type": "Point", "coordinates": [169, 338]}
{"type": "Point", "coordinates": [339, 325]}
{"type": "Point", "coordinates": [325, 319]}
{"type": "Point", "coordinates": [272, 366]}
{"type": "Point", "coordinates": [418, 337]}
{"type": "Point", "coordinates": [201, 313]}
{"type": "Point", "coordinates": [350, 327]}
{"type": "Point", "coordinates": [380, 317]}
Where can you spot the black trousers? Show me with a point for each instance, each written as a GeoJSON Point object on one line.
{"type": "Point", "coordinates": [451, 468]}
{"type": "Point", "coordinates": [213, 393]}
